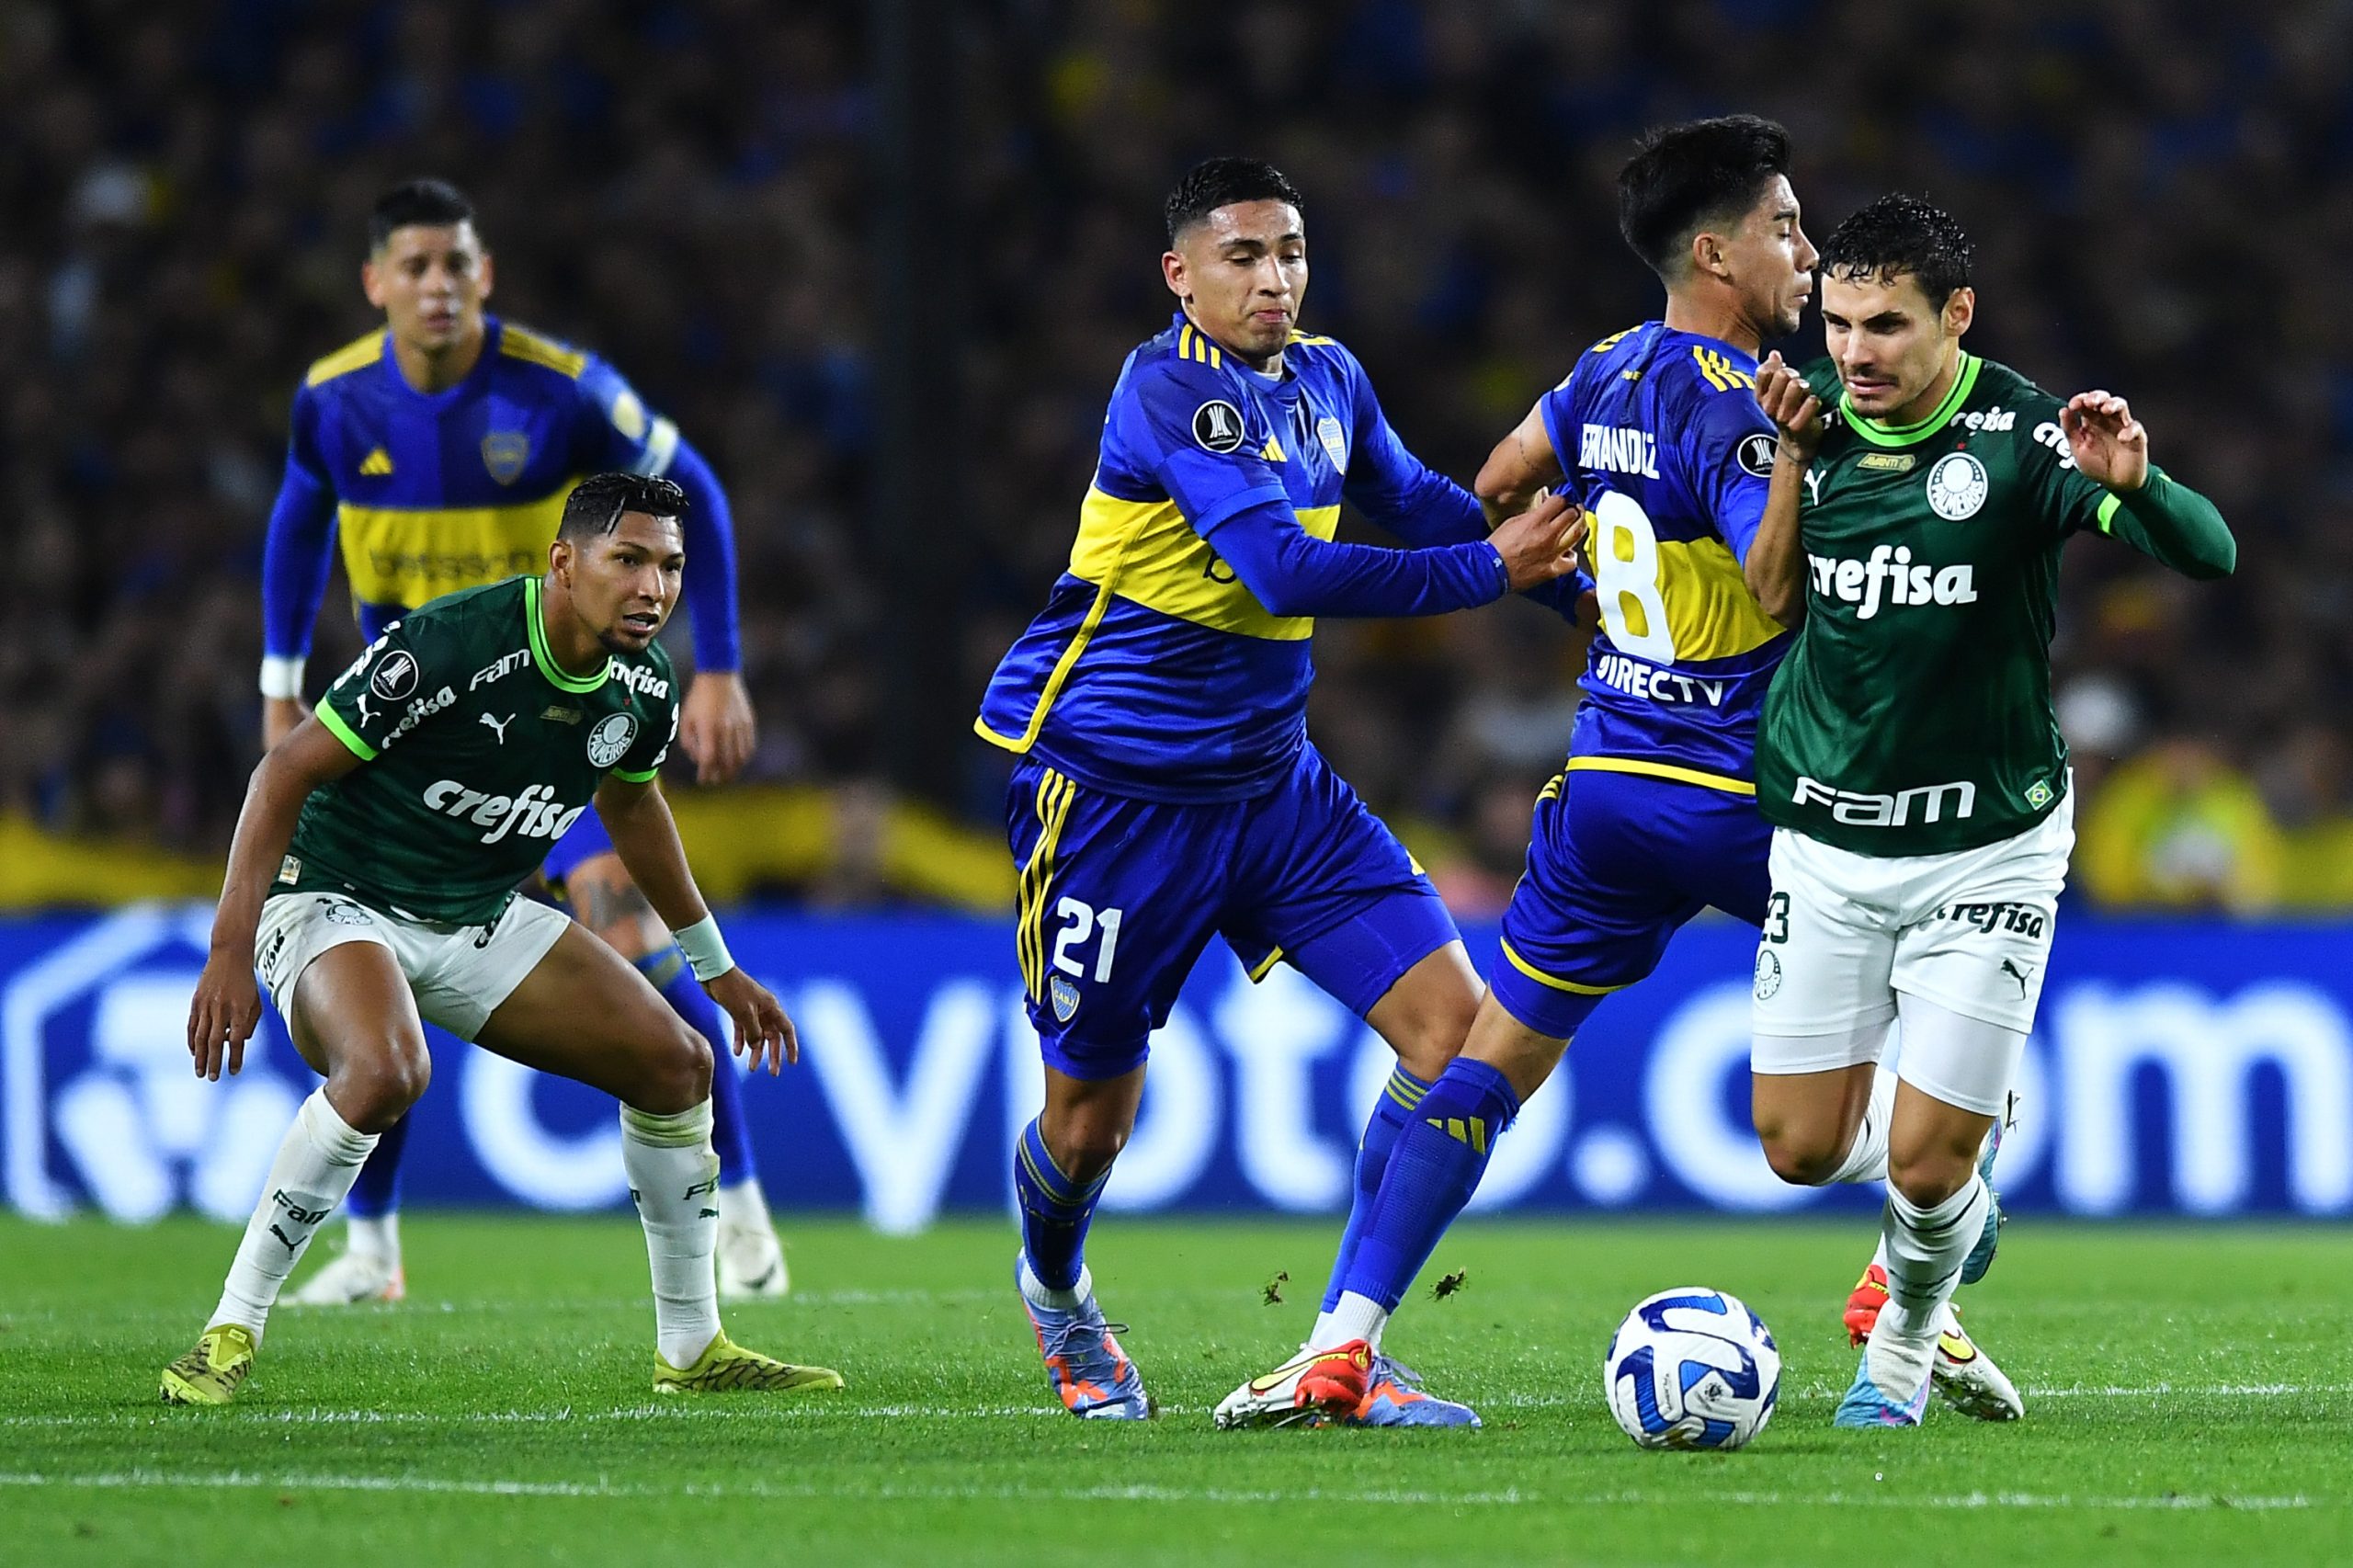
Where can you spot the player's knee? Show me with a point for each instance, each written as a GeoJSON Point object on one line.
{"type": "Point", "coordinates": [1926, 1177]}
{"type": "Point", "coordinates": [1801, 1160]}
{"type": "Point", "coordinates": [676, 1076]}
{"type": "Point", "coordinates": [375, 1086]}
{"type": "Point", "coordinates": [1084, 1147]}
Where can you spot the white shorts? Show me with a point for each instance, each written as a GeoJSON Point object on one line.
{"type": "Point", "coordinates": [1846, 935]}
{"type": "Point", "coordinates": [459, 973]}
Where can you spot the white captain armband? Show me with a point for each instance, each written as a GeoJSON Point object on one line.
{"type": "Point", "coordinates": [705, 948]}
{"type": "Point", "coordinates": [281, 676]}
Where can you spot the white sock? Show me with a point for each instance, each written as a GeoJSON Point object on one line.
{"type": "Point", "coordinates": [1925, 1250]}
{"type": "Point", "coordinates": [316, 1164]}
{"type": "Point", "coordinates": [1867, 1158]}
{"type": "Point", "coordinates": [743, 1207]}
{"type": "Point", "coordinates": [374, 1235]}
{"type": "Point", "coordinates": [1038, 1293]}
{"type": "Point", "coordinates": [674, 1178]}
{"type": "Point", "coordinates": [1355, 1317]}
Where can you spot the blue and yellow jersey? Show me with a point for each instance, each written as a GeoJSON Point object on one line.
{"type": "Point", "coordinates": [1663, 443]}
{"type": "Point", "coordinates": [436, 492]}
{"type": "Point", "coordinates": [1154, 672]}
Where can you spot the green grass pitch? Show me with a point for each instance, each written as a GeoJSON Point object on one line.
{"type": "Point", "coordinates": [2187, 1391]}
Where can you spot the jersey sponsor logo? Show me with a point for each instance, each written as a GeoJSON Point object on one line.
{"type": "Point", "coordinates": [1887, 462]}
{"type": "Point", "coordinates": [395, 678]}
{"type": "Point", "coordinates": [2051, 436]}
{"type": "Point", "coordinates": [1216, 425]}
{"type": "Point", "coordinates": [1957, 486]}
{"type": "Point", "coordinates": [1639, 680]}
{"type": "Point", "coordinates": [1754, 455]}
{"type": "Point", "coordinates": [500, 668]}
{"type": "Point", "coordinates": [610, 741]}
{"type": "Point", "coordinates": [1855, 808]}
{"type": "Point", "coordinates": [1996, 418]}
{"type": "Point", "coordinates": [2021, 919]}
{"type": "Point", "coordinates": [639, 680]}
{"type": "Point", "coordinates": [557, 713]}
{"type": "Point", "coordinates": [534, 813]}
{"type": "Point", "coordinates": [418, 712]}
{"type": "Point", "coordinates": [504, 453]}
{"type": "Point", "coordinates": [1890, 576]}
{"type": "Point", "coordinates": [1336, 441]}
{"type": "Point", "coordinates": [1617, 449]}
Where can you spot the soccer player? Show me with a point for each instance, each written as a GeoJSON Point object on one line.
{"type": "Point", "coordinates": [1653, 818]}
{"type": "Point", "coordinates": [1168, 792]}
{"type": "Point", "coordinates": [441, 447]}
{"type": "Point", "coordinates": [1908, 755]}
{"type": "Point", "coordinates": [375, 864]}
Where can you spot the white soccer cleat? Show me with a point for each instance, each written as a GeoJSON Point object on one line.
{"type": "Point", "coordinates": [751, 1264]}
{"type": "Point", "coordinates": [352, 1278]}
{"type": "Point", "coordinates": [1968, 1378]}
{"type": "Point", "coordinates": [1310, 1385]}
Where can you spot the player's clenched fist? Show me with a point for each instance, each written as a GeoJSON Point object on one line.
{"type": "Point", "coordinates": [1541, 543]}
{"type": "Point", "coordinates": [1791, 404]}
{"type": "Point", "coordinates": [761, 1026]}
{"type": "Point", "coordinates": [222, 1014]}
{"type": "Point", "coordinates": [2111, 446]}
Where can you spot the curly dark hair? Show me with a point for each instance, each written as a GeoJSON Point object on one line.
{"type": "Point", "coordinates": [1899, 235]}
{"type": "Point", "coordinates": [1221, 182]}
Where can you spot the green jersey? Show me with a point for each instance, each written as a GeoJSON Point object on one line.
{"type": "Point", "coordinates": [477, 753]}
{"type": "Point", "coordinates": [1913, 716]}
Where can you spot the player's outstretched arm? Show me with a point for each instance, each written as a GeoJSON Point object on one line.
{"type": "Point", "coordinates": [1519, 470]}
{"type": "Point", "coordinates": [1774, 565]}
{"type": "Point", "coordinates": [295, 558]}
{"type": "Point", "coordinates": [646, 838]}
{"type": "Point", "coordinates": [2146, 509]}
{"type": "Point", "coordinates": [227, 1004]}
{"type": "Point", "coordinates": [716, 727]}
{"type": "Point", "coordinates": [1292, 573]}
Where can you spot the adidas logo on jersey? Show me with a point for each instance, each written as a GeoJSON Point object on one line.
{"type": "Point", "coordinates": [376, 464]}
{"type": "Point", "coordinates": [1617, 449]}
{"type": "Point", "coordinates": [1890, 577]}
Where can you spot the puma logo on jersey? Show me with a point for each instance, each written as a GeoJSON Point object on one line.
{"type": "Point", "coordinates": [498, 725]}
{"type": "Point", "coordinates": [1891, 577]}
{"type": "Point", "coordinates": [1855, 808]}
{"type": "Point", "coordinates": [1617, 449]}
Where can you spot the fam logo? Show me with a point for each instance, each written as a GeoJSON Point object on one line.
{"type": "Point", "coordinates": [1957, 486]}
{"type": "Point", "coordinates": [610, 741]}
{"type": "Point", "coordinates": [1217, 425]}
{"type": "Point", "coordinates": [504, 453]}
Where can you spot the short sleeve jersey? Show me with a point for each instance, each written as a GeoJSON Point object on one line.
{"type": "Point", "coordinates": [1913, 715]}
{"type": "Point", "coordinates": [477, 751]}
{"type": "Point", "coordinates": [1662, 443]}
{"type": "Point", "coordinates": [1154, 672]}
{"type": "Point", "coordinates": [436, 492]}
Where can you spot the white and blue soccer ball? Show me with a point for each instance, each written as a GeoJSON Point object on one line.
{"type": "Point", "coordinates": [1692, 1369]}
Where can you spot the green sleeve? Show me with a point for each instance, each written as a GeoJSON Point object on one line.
{"type": "Point", "coordinates": [399, 682]}
{"type": "Point", "coordinates": [2173, 525]}
{"type": "Point", "coordinates": [641, 764]}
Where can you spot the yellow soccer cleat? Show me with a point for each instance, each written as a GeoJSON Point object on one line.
{"type": "Point", "coordinates": [727, 1367]}
{"type": "Point", "coordinates": [214, 1371]}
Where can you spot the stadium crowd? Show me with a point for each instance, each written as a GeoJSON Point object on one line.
{"type": "Point", "coordinates": [688, 188]}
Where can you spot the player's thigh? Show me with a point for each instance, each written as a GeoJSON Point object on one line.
{"type": "Point", "coordinates": [335, 970]}
{"type": "Point", "coordinates": [579, 1010]}
{"type": "Point", "coordinates": [1116, 898]}
{"type": "Point", "coordinates": [1592, 912]}
{"type": "Point", "coordinates": [1824, 955]}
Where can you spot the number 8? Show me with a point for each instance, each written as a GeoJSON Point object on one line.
{"type": "Point", "coordinates": [1624, 552]}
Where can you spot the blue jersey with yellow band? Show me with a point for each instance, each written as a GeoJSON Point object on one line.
{"type": "Point", "coordinates": [1663, 443]}
{"type": "Point", "coordinates": [431, 493]}
{"type": "Point", "coordinates": [1154, 671]}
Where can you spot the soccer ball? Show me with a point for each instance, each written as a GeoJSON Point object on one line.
{"type": "Point", "coordinates": [1692, 1369]}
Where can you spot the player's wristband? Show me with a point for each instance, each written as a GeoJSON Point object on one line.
{"type": "Point", "coordinates": [705, 948]}
{"type": "Point", "coordinates": [281, 675]}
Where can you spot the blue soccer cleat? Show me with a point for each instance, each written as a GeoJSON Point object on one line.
{"type": "Point", "coordinates": [1393, 1397]}
{"type": "Point", "coordinates": [1090, 1374]}
{"type": "Point", "coordinates": [1866, 1407]}
{"type": "Point", "coordinates": [1980, 1256]}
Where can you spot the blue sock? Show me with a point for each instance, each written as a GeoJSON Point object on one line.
{"type": "Point", "coordinates": [730, 1134]}
{"type": "Point", "coordinates": [376, 1192]}
{"type": "Point", "coordinates": [1433, 1171]}
{"type": "Point", "coordinates": [1390, 1113]}
{"type": "Point", "coordinates": [1055, 1211]}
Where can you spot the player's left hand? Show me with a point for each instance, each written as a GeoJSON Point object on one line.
{"type": "Point", "coordinates": [716, 727]}
{"type": "Point", "coordinates": [761, 1027]}
{"type": "Point", "coordinates": [2111, 446]}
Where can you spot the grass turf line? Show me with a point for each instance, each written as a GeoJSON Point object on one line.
{"type": "Point", "coordinates": [2183, 1384]}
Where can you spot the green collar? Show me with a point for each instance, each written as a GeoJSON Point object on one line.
{"type": "Point", "coordinates": [545, 660]}
{"type": "Point", "coordinates": [1879, 435]}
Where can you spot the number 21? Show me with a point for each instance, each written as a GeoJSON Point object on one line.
{"type": "Point", "coordinates": [1083, 918]}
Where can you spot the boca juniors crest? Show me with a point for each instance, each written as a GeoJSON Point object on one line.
{"type": "Point", "coordinates": [504, 453]}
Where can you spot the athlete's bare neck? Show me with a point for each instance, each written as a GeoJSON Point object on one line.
{"type": "Point", "coordinates": [1713, 316]}
{"type": "Point", "coordinates": [438, 370]}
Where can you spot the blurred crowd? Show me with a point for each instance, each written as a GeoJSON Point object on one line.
{"type": "Point", "coordinates": [688, 188]}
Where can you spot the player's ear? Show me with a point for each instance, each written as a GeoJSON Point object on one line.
{"type": "Point", "coordinates": [1960, 310]}
{"type": "Point", "coordinates": [560, 556]}
{"type": "Point", "coordinates": [1708, 253]}
{"type": "Point", "coordinates": [372, 283]}
{"type": "Point", "coordinates": [489, 271]}
{"type": "Point", "coordinates": [1172, 272]}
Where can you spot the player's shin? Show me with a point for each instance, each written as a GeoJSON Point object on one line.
{"type": "Point", "coordinates": [375, 1195]}
{"type": "Point", "coordinates": [1391, 1113]}
{"type": "Point", "coordinates": [674, 1178]}
{"type": "Point", "coordinates": [731, 1134]}
{"type": "Point", "coordinates": [1055, 1213]}
{"type": "Point", "coordinates": [1924, 1248]}
{"type": "Point", "coordinates": [316, 1164]}
{"type": "Point", "coordinates": [1432, 1173]}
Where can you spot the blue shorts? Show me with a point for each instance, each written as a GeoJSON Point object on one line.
{"type": "Point", "coordinates": [1119, 896]}
{"type": "Point", "coordinates": [587, 840]}
{"type": "Point", "coordinates": [1616, 864]}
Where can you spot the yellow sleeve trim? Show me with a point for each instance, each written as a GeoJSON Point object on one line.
{"type": "Point", "coordinates": [1266, 966]}
{"type": "Point", "coordinates": [354, 355]}
{"type": "Point", "coordinates": [1570, 986]}
{"type": "Point", "coordinates": [517, 343]}
{"type": "Point", "coordinates": [1660, 770]}
{"type": "Point", "coordinates": [1197, 347]}
{"type": "Point", "coordinates": [345, 732]}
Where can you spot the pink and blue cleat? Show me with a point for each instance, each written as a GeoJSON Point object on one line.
{"type": "Point", "coordinates": [1089, 1373]}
